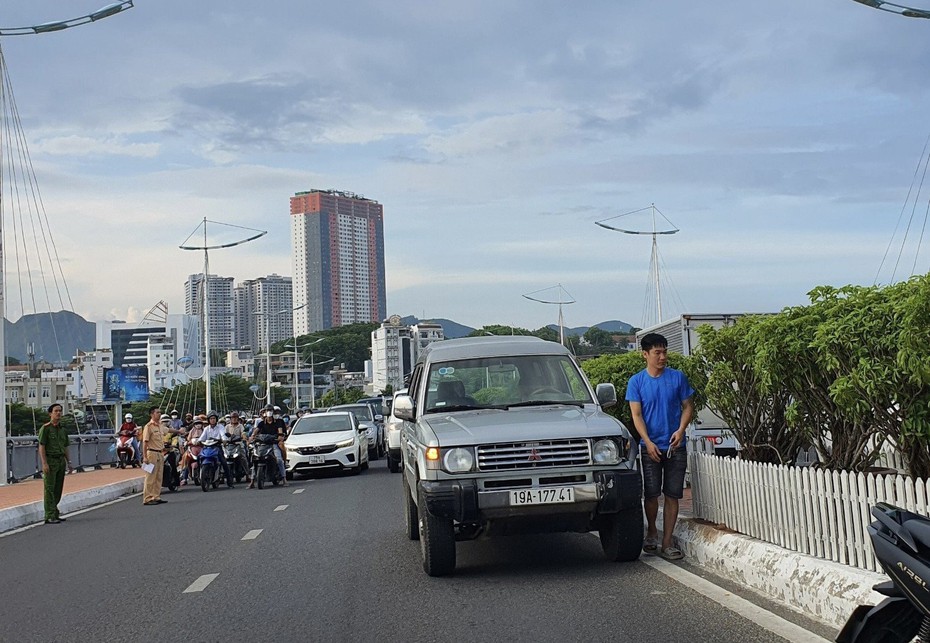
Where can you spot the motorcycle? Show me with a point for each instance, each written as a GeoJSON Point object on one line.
{"type": "Point", "coordinates": [901, 541]}
{"type": "Point", "coordinates": [125, 454]}
{"type": "Point", "coordinates": [264, 461]}
{"type": "Point", "coordinates": [171, 478]}
{"type": "Point", "coordinates": [194, 448]}
{"type": "Point", "coordinates": [210, 464]}
{"type": "Point", "coordinates": [235, 456]}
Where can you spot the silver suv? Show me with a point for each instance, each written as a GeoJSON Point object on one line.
{"type": "Point", "coordinates": [505, 435]}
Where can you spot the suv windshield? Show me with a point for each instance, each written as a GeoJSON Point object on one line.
{"type": "Point", "coordinates": [504, 381]}
{"type": "Point", "coordinates": [322, 424]}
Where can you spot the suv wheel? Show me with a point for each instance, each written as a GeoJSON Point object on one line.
{"type": "Point", "coordinates": [411, 515]}
{"type": "Point", "coordinates": [437, 542]}
{"type": "Point", "coordinates": [622, 534]}
{"type": "Point", "coordinates": [393, 465]}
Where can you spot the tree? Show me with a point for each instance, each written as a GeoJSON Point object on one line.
{"type": "Point", "coordinates": [499, 329]}
{"type": "Point", "coordinates": [26, 420]}
{"type": "Point", "coordinates": [598, 338]}
{"type": "Point", "coordinates": [334, 397]}
{"type": "Point", "coordinates": [618, 369]}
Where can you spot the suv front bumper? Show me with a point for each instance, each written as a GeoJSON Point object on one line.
{"type": "Point", "coordinates": [461, 500]}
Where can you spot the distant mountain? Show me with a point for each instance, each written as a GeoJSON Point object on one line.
{"type": "Point", "coordinates": [615, 327]}
{"type": "Point", "coordinates": [450, 329]}
{"type": "Point", "coordinates": [57, 336]}
{"type": "Point", "coordinates": [453, 330]}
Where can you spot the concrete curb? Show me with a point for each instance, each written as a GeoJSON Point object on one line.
{"type": "Point", "coordinates": [34, 512]}
{"type": "Point", "coordinates": [819, 589]}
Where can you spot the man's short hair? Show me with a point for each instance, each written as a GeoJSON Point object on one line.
{"type": "Point", "coordinates": [152, 409]}
{"type": "Point", "coordinates": [652, 340]}
{"type": "Point", "coordinates": [52, 407]}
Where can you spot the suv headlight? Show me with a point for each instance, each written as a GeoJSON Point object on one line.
{"type": "Point", "coordinates": [606, 451]}
{"type": "Point", "coordinates": [345, 443]}
{"type": "Point", "coordinates": [458, 460]}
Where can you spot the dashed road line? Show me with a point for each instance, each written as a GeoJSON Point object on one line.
{"type": "Point", "coordinates": [280, 508]}
{"type": "Point", "coordinates": [252, 535]}
{"type": "Point", "coordinates": [296, 491]}
{"type": "Point", "coordinates": [748, 610]}
{"type": "Point", "coordinates": [201, 583]}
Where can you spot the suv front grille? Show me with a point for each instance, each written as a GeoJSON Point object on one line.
{"type": "Point", "coordinates": [532, 455]}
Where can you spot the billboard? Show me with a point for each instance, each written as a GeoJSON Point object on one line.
{"type": "Point", "coordinates": [126, 384]}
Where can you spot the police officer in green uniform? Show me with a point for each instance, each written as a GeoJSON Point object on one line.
{"type": "Point", "coordinates": [53, 451]}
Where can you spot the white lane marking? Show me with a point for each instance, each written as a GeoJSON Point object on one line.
{"type": "Point", "coordinates": [296, 491]}
{"type": "Point", "coordinates": [69, 514]}
{"type": "Point", "coordinates": [201, 583]}
{"type": "Point", "coordinates": [252, 535]}
{"type": "Point", "coordinates": [280, 508]}
{"type": "Point", "coordinates": [746, 609]}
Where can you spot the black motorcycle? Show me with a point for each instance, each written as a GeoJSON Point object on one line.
{"type": "Point", "coordinates": [171, 478]}
{"type": "Point", "coordinates": [235, 456]}
{"type": "Point", "coordinates": [264, 461]}
{"type": "Point", "coordinates": [901, 540]}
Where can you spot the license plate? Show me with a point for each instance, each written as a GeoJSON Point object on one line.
{"type": "Point", "coordinates": [316, 459]}
{"type": "Point", "coordinates": [549, 496]}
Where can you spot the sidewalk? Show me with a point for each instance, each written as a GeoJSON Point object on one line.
{"type": "Point", "coordinates": [820, 589]}
{"type": "Point", "coordinates": [21, 503]}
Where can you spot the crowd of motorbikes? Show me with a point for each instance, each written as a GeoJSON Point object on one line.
{"type": "Point", "coordinates": [254, 460]}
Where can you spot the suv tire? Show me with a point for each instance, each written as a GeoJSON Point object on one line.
{"type": "Point", "coordinates": [411, 514]}
{"type": "Point", "coordinates": [437, 541]}
{"type": "Point", "coordinates": [622, 534]}
{"type": "Point", "coordinates": [393, 465]}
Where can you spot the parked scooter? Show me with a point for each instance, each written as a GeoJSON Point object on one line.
{"type": "Point", "coordinates": [901, 540]}
{"type": "Point", "coordinates": [125, 454]}
{"type": "Point", "coordinates": [210, 464]}
{"type": "Point", "coordinates": [235, 456]}
{"type": "Point", "coordinates": [264, 461]}
{"type": "Point", "coordinates": [171, 477]}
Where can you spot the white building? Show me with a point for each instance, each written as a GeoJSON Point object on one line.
{"type": "Point", "coordinates": [269, 296]}
{"type": "Point", "coordinates": [395, 348]}
{"type": "Point", "coordinates": [219, 307]}
{"type": "Point", "coordinates": [241, 362]}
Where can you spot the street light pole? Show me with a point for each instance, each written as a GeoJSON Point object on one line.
{"type": "Point", "coordinates": [296, 372]}
{"type": "Point", "coordinates": [266, 315]}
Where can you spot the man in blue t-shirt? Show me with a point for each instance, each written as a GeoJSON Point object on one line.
{"type": "Point", "coordinates": [661, 404]}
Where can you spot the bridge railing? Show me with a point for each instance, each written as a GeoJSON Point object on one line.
{"type": "Point", "coordinates": [86, 451]}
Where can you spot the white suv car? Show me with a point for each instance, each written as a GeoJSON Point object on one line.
{"type": "Point", "coordinates": [392, 429]}
{"type": "Point", "coordinates": [327, 441]}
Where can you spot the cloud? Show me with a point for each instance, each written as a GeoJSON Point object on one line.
{"type": "Point", "coordinates": [74, 145]}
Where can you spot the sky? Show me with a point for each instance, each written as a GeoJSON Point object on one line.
{"type": "Point", "coordinates": [780, 138]}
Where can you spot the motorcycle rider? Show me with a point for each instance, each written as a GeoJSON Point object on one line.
{"type": "Point", "coordinates": [214, 431]}
{"type": "Point", "coordinates": [129, 425]}
{"type": "Point", "coordinates": [176, 422]}
{"type": "Point", "coordinates": [269, 425]}
{"type": "Point", "coordinates": [234, 429]}
{"type": "Point", "coordinates": [193, 439]}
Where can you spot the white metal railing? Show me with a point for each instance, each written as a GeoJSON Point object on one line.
{"type": "Point", "coordinates": [811, 511]}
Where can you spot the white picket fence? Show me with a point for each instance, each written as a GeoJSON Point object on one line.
{"type": "Point", "coordinates": [812, 511]}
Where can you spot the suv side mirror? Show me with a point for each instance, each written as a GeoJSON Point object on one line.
{"type": "Point", "coordinates": [404, 408]}
{"type": "Point", "coordinates": [379, 418]}
{"type": "Point", "coordinates": [606, 395]}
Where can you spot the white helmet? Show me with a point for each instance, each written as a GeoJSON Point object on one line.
{"type": "Point", "coordinates": [128, 416]}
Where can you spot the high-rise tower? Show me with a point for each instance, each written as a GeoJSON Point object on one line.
{"type": "Point", "coordinates": [338, 255]}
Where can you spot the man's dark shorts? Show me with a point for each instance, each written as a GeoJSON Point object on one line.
{"type": "Point", "coordinates": [666, 477]}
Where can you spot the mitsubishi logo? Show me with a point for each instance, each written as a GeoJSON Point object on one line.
{"type": "Point", "coordinates": [534, 456]}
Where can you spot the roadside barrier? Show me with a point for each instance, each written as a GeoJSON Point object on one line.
{"type": "Point", "coordinates": [86, 451]}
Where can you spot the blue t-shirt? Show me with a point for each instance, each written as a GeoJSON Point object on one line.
{"type": "Point", "coordinates": [661, 398]}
